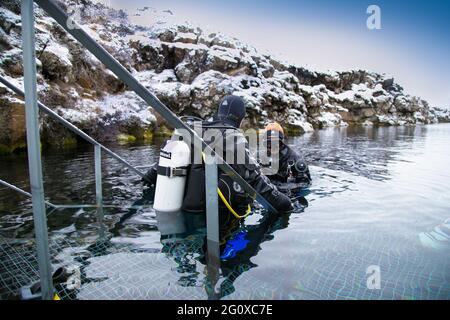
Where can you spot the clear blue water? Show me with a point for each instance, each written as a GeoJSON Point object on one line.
{"type": "Point", "coordinates": [380, 200]}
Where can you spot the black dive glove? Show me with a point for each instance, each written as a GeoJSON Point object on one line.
{"type": "Point", "coordinates": [149, 178]}
{"type": "Point", "coordinates": [279, 201]}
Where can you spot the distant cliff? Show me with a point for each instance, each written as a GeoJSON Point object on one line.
{"type": "Point", "coordinates": [190, 71]}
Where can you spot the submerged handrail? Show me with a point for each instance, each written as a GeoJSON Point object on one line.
{"type": "Point", "coordinates": [23, 192]}
{"type": "Point", "coordinates": [72, 127]}
{"type": "Point", "coordinates": [70, 206]}
{"type": "Point", "coordinates": [53, 10]}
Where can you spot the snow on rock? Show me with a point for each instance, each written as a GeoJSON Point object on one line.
{"type": "Point", "coordinates": [113, 114]}
{"type": "Point", "coordinates": [186, 37]}
{"type": "Point", "coordinates": [61, 52]}
{"type": "Point", "coordinates": [190, 69]}
{"type": "Point", "coordinates": [329, 119]}
{"type": "Point", "coordinates": [441, 115]}
{"type": "Point", "coordinates": [110, 109]}
{"type": "Point", "coordinates": [297, 119]}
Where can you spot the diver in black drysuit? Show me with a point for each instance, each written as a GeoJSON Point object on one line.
{"type": "Point", "coordinates": [292, 167]}
{"type": "Point", "coordinates": [227, 120]}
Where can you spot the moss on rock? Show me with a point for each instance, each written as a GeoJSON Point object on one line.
{"type": "Point", "coordinates": [148, 135]}
{"type": "Point", "coordinates": [4, 150]}
{"type": "Point", "coordinates": [69, 142]}
{"type": "Point", "coordinates": [162, 131]}
{"type": "Point", "coordinates": [293, 131]}
{"type": "Point", "coordinates": [123, 138]}
{"type": "Point", "coordinates": [17, 147]}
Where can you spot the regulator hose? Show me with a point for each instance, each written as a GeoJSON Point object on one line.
{"type": "Point", "coordinates": [227, 204]}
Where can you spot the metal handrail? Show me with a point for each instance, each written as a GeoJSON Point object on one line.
{"type": "Point", "coordinates": [23, 192]}
{"type": "Point", "coordinates": [71, 206]}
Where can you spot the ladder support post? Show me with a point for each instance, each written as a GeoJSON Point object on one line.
{"type": "Point", "coordinates": [34, 149]}
{"type": "Point", "coordinates": [212, 225]}
{"type": "Point", "coordinates": [98, 187]}
{"type": "Point", "coordinates": [212, 202]}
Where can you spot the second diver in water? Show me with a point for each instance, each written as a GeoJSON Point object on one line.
{"type": "Point", "coordinates": [293, 172]}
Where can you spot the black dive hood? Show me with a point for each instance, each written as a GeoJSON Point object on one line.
{"type": "Point", "coordinates": [231, 111]}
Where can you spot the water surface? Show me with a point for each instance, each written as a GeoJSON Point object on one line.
{"type": "Point", "coordinates": [380, 200]}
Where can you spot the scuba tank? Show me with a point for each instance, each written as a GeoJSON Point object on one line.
{"type": "Point", "coordinates": [171, 224]}
{"type": "Point", "coordinates": [172, 169]}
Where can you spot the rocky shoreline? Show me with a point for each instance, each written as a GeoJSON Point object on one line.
{"type": "Point", "coordinates": [189, 70]}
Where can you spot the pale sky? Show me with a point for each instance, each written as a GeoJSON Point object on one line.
{"type": "Point", "coordinates": [413, 45]}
